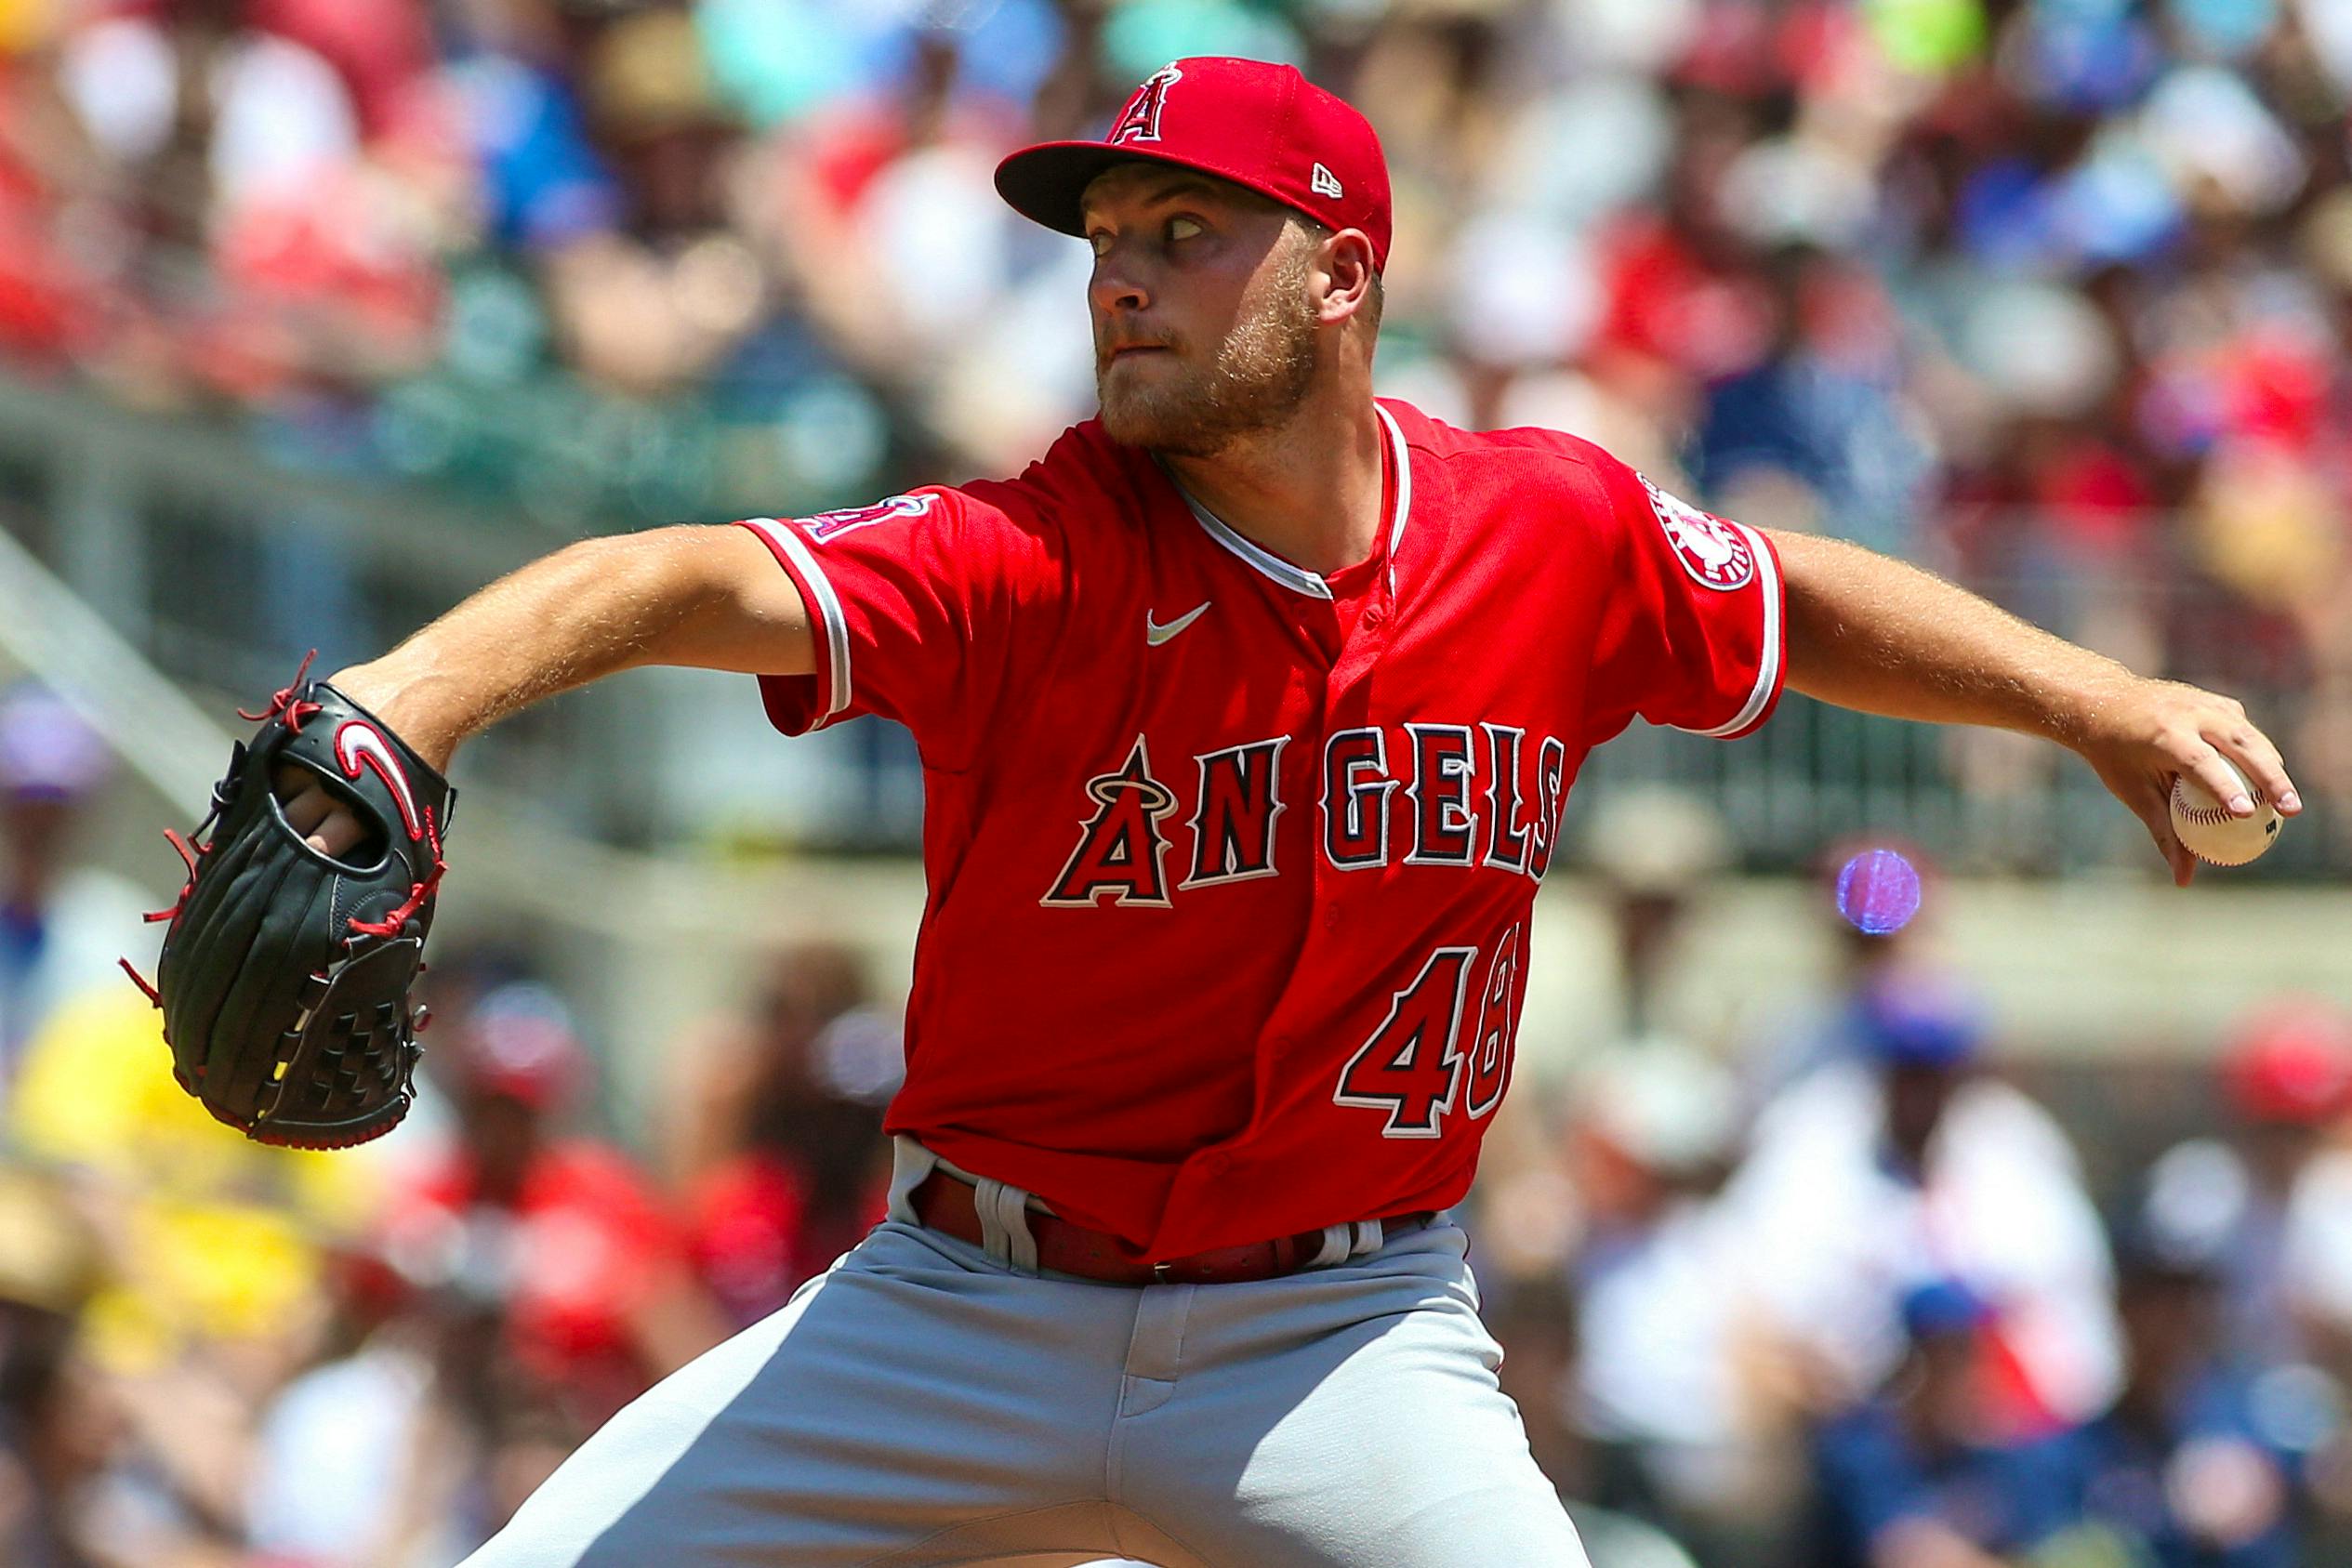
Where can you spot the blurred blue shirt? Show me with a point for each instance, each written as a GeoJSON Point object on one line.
{"type": "Point", "coordinates": [1870, 1475]}
{"type": "Point", "coordinates": [2126, 1483]}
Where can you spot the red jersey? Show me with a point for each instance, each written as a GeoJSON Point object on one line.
{"type": "Point", "coordinates": [1230, 865]}
{"type": "Point", "coordinates": [574, 1256]}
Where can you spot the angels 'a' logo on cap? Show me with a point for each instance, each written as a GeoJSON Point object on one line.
{"type": "Point", "coordinates": [1140, 120]}
{"type": "Point", "coordinates": [1711, 549]}
{"type": "Point", "coordinates": [1324, 182]}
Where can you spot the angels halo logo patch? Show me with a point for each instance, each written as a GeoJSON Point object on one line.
{"type": "Point", "coordinates": [824, 527]}
{"type": "Point", "coordinates": [1711, 551]}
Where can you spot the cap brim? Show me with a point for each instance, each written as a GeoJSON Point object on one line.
{"type": "Point", "coordinates": [1044, 183]}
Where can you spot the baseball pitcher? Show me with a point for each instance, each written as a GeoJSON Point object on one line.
{"type": "Point", "coordinates": [1247, 714]}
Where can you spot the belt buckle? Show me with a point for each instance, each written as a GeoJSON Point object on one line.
{"type": "Point", "coordinates": [1159, 1272]}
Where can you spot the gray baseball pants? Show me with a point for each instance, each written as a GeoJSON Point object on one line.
{"type": "Point", "coordinates": [930, 1401]}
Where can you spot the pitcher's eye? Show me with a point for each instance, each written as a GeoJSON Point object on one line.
{"type": "Point", "coordinates": [1098, 241]}
{"type": "Point", "coordinates": [1184, 228]}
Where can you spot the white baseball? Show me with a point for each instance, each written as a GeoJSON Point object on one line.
{"type": "Point", "coordinates": [2208, 831]}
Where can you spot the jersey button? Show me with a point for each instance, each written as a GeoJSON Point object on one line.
{"type": "Point", "coordinates": [1331, 919]}
{"type": "Point", "coordinates": [1216, 1163]}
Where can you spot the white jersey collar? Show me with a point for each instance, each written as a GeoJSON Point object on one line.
{"type": "Point", "coordinates": [1298, 579]}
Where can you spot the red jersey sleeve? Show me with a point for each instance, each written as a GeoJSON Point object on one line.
{"type": "Point", "coordinates": [914, 601]}
{"type": "Point", "coordinates": [1692, 634]}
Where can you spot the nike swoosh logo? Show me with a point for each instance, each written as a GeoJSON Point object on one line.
{"type": "Point", "coordinates": [358, 746]}
{"type": "Point", "coordinates": [1155, 634]}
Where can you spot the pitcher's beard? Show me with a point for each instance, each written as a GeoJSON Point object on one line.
{"type": "Point", "coordinates": [1262, 372]}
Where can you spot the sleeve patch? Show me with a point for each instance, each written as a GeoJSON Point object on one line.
{"type": "Point", "coordinates": [1710, 548]}
{"type": "Point", "coordinates": [825, 527]}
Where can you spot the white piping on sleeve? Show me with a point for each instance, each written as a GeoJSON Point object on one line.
{"type": "Point", "coordinates": [827, 609]}
{"type": "Point", "coordinates": [1768, 665]}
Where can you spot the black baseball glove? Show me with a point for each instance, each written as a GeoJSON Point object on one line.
{"type": "Point", "coordinates": [285, 975]}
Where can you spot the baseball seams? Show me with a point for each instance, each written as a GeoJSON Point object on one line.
{"type": "Point", "coordinates": [2205, 815]}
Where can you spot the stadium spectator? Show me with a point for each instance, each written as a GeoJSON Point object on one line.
{"type": "Point", "coordinates": [790, 1167]}
{"type": "Point", "coordinates": [413, 1437]}
{"type": "Point", "coordinates": [2198, 1463]}
{"type": "Point", "coordinates": [56, 1434]}
{"type": "Point", "coordinates": [557, 1237]}
{"type": "Point", "coordinates": [62, 923]}
{"type": "Point", "coordinates": [1918, 1476]}
{"type": "Point", "coordinates": [105, 1459]}
{"type": "Point", "coordinates": [356, 1460]}
{"type": "Point", "coordinates": [1657, 1394]}
{"type": "Point", "coordinates": [1908, 1163]}
{"type": "Point", "coordinates": [2272, 1199]}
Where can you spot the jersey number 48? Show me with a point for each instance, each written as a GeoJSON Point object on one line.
{"type": "Point", "coordinates": [1415, 1067]}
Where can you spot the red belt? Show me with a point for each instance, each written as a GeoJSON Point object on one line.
{"type": "Point", "coordinates": [949, 1206]}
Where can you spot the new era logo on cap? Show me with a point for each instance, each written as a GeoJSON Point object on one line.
{"type": "Point", "coordinates": [1248, 121]}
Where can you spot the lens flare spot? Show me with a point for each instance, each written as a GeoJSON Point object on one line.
{"type": "Point", "coordinates": [1878, 891]}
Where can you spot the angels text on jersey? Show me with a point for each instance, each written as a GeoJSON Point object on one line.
{"type": "Point", "coordinates": [1417, 794]}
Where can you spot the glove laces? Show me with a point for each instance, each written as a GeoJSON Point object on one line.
{"type": "Point", "coordinates": [282, 702]}
{"type": "Point", "coordinates": [419, 891]}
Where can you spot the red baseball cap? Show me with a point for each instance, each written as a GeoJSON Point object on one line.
{"type": "Point", "coordinates": [2291, 1062]}
{"type": "Point", "coordinates": [520, 1044]}
{"type": "Point", "coordinates": [1258, 125]}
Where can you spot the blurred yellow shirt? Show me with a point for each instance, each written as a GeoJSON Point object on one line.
{"type": "Point", "coordinates": [217, 1234]}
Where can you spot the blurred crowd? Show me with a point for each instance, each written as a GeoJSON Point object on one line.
{"type": "Point", "coordinates": [1826, 1287]}
{"type": "Point", "coordinates": [1840, 1292]}
{"type": "Point", "coordinates": [219, 1355]}
{"type": "Point", "coordinates": [2051, 293]}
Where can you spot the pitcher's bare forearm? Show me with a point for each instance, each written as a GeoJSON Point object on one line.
{"type": "Point", "coordinates": [1869, 633]}
{"type": "Point", "coordinates": [706, 597]}
{"type": "Point", "coordinates": [1881, 635]}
